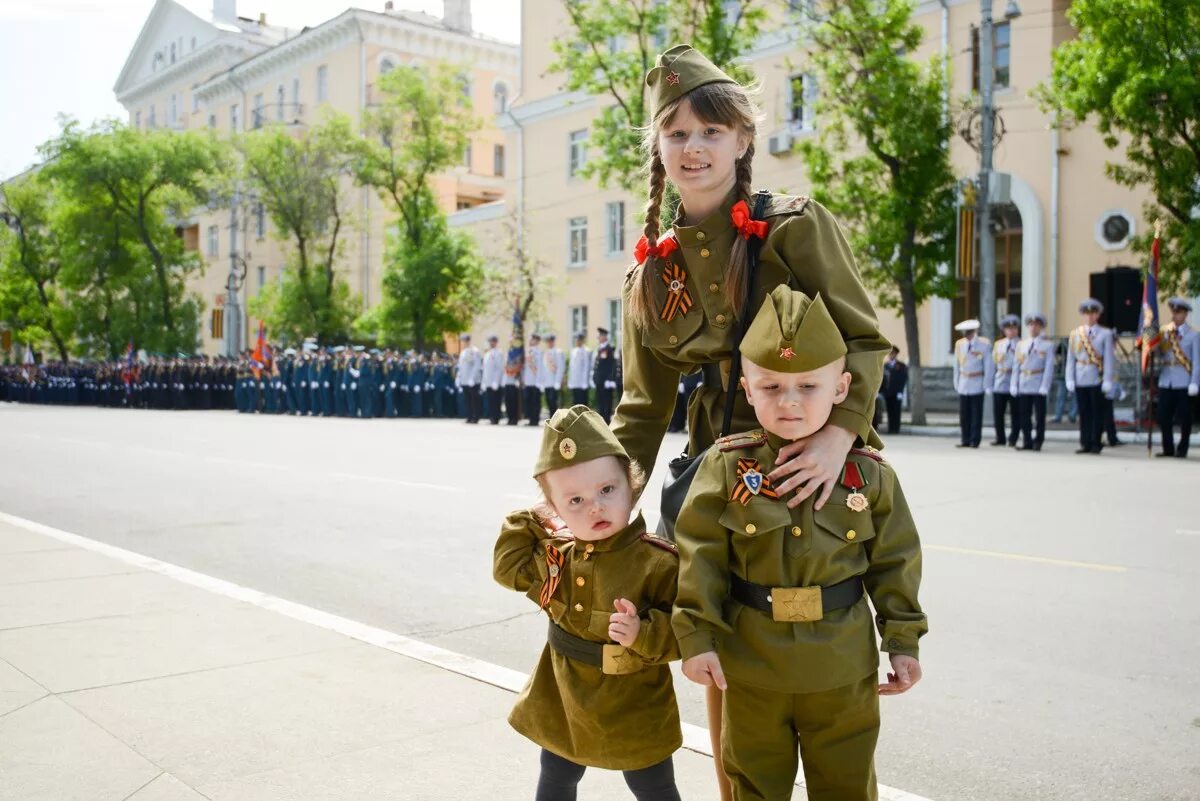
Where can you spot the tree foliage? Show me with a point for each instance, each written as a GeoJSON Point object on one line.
{"type": "Point", "coordinates": [612, 44]}
{"type": "Point", "coordinates": [1134, 68]}
{"type": "Point", "coordinates": [880, 159]}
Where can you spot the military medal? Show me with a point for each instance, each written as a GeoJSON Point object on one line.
{"type": "Point", "coordinates": [751, 482]}
{"type": "Point", "coordinates": [679, 300]}
{"type": "Point", "coordinates": [853, 480]}
{"type": "Point", "coordinates": [554, 563]}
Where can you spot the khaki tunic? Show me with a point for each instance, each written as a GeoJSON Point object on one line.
{"type": "Point", "coordinates": [806, 250]}
{"type": "Point", "coordinates": [570, 708]}
{"type": "Point", "coordinates": [769, 544]}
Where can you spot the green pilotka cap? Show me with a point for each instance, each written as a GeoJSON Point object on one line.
{"type": "Point", "coordinates": [677, 72]}
{"type": "Point", "coordinates": [792, 333]}
{"type": "Point", "coordinates": [573, 436]}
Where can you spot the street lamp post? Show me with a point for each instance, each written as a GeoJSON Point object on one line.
{"type": "Point", "coordinates": [234, 282]}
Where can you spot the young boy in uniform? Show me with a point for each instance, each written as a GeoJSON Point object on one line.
{"type": "Point", "coordinates": [773, 598]}
{"type": "Point", "coordinates": [601, 694]}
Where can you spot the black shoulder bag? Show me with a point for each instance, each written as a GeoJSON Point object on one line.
{"type": "Point", "coordinates": [682, 469]}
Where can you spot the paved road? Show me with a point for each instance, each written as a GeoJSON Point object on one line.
{"type": "Point", "coordinates": [1060, 664]}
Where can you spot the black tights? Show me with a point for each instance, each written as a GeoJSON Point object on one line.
{"type": "Point", "coordinates": [560, 777]}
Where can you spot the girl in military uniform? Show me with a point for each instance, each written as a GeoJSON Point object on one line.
{"type": "Point", "coordinates": [682, 296]}
{"type": "Point", "coordinates": [601, 694]}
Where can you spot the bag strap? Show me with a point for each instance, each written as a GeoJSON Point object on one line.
{"type": "Point", "coordinates": [743, 322]}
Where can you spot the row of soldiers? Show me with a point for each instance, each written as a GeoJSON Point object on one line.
{"type": "Point", "coordinates": [199, 382]}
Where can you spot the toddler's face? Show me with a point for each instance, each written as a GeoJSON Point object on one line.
{"type": "Point", "coordinates": [794, 405]}
{"type": "Point", "coordinates": [593, 498]}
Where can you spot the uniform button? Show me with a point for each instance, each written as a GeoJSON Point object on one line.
{"type": "Point", "coordinates": [713, 287]}
{"type": "Point", "coordinates": [796, 532]}
{"type": "Point", "coordinates": [673, 339]}
{"type": "Point", "coordinates": [894, 643]}
{"type": "Point", "coordinates": [589, 547]}
{"type": "Point", "coordinates": [705, 252]}
{"type": "Point", "coordinates": [751, 528]}
{"type": "Point", "coordinates": [701, 235]}
{"type": "Point", "coordinates": [720, 318]}
{"type": "Point", "coordinates": [578, 607]}
{"type": "Point", "coordinates": [580, 581]}
{"type": "Point", "coordinates": [851, 534]}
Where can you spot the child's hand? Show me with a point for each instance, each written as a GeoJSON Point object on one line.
{"type": "Point", "coordinates": [705, 669]}
{"type": "Point", "coordinates": [624, 624]}
{"type": "Point", "coordinates": [908, 673]}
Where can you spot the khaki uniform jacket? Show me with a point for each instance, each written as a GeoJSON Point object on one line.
{"type": "Point", "coordinates": [766, 543]}
{"type": "Point", "coordinates": [570, 708]}
{"type": "Point", "coordinates": [806, 250]}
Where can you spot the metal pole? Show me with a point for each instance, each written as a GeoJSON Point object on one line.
{"type": "Point", "coordinates": [987, 245]}
{"type": "Point", "coordinates": [233, 315]}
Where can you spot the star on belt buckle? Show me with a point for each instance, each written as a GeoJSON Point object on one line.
{"type": "Point", "coordinates": [616, 660]}
{"type": "Point", "coordinates": [796, 604]}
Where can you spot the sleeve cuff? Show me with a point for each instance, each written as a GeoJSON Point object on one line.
{"type": "Point", "coordinates": [850, 420]}
{"type": "Point", "coordinates": [696, 643]}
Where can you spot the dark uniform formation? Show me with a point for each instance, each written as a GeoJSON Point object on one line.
{"type": "Point", "coordinates": [199, 382]}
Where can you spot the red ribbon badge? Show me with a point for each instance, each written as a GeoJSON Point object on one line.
{"type": "Point", "coordinates": [746, 226]}
{"type": "Point", "coordinates": [643, 248]}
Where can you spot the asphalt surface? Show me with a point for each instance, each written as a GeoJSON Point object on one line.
{"type": "Point", "coordinates": [1061, 662]}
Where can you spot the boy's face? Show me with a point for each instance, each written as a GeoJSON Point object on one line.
{"type": "Point", "coordinates": [794, 405]}
{"type": "Point", "coordinates": [593, 498]}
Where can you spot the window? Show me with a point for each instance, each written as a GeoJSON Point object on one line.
{"type": "Point", "coordinates": [801, 102]}
{"type": "Point", "coordinates": [260, 220]}
{"type": "Point", "coordinates": [212, 120]}
{"type": "Point", "coordinates": [193, 42]}
{"type": "Point", "coordinates": [613, 307]}
{"type": "Point", "coordinates": [1001, 56]}
{"type": "Point", "coordinates": [467, 156]}
{"type": "Point", "coordinates": [576, 152]}
{"type": "Point", "coordinates": [217, 323]}
{"type": "Point", "coordinates": [464, 86]}
{"type": "Point", "coordinates": [498, 160]}
{"type": "Point", "coordinates": [386, 66]}
{"type": "Point", "coordinates": [235, 117]}
{"type": "Point", "coordinates": [280, 100]}
{"type": "Point", "coordinates": [577, 320]}
{"type": "Point", "coordinates": [258, 111]}
{"type": "Point", "coordinates": [150, 122]}
{"type": "Point", "coordinates": [172, 52]}
{"type": "Point", "coordinates": [577, 241]}
{"type": "Point", "coordinates": [262, 277]}
{"type": "Point", "coordinates": [500, 98]}
{"type": "Point", "coordinates": [614, 228]}
{"type": "Point", "coordinates": [322, 83]}
{"type": "Point", "coordinates": [296, 94]}
{"type": "Point", "coordinates": [195, 102]}
{"type": "Point", "coordinates": [173, 111]}
{"type": "Point", "coordinates": [137, 119]}
{"type": "Point", "coordinates": [213, 240]}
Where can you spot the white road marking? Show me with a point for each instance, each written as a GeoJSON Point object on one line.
{"type": "Point", "coordinates": [1022, 557]}
{"type": "Point", "coordinates": [1188, 531]}
{"type": "Point", "coordinates": [695, 738]}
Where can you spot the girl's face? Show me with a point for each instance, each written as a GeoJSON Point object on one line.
{"type": "Point", "coordinates": [794, 405]}
{"type": "Point", "coordinates": [593, 498]}
{"type": "Point", "coordinates": [700, 157]}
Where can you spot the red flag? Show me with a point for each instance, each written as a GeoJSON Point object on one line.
{"type": "Point", "coordinates": [262, 352]}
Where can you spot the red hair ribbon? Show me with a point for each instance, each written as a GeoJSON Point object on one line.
{"type": "Point", "coordinates": [745, 225]}
{"type": "Point", "coordinates": [643, 248]}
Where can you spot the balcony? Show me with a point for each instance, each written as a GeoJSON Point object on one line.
{"type": "Point", "coordinates": [278, 114]}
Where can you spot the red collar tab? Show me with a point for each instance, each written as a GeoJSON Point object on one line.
{"type": "Point", "coordinates": [747, 227]}
{"type": "Point", "coordinates": [664, 248]}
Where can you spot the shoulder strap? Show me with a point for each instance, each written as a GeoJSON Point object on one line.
{"type": "Point", "coordinates": [735, 366]}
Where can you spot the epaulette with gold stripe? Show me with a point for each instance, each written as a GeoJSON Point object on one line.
{"type": "Point", "coordinates": [733, 442]}
{"type": "Point", "coordinates": [659, 542]}
{"type": "Point", "coordinates": [869, 452]}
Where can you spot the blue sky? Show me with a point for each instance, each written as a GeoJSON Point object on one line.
{"type": "Point", "coordinates": [63, 56]}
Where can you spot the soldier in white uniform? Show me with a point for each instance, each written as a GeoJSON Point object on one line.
{"type": "Point", "coordinates": [553, 365]}
{"type": "Point", "coordinates": [1178, 378]}
{"type": "Point", "coordinates": [1091, 368]}
{"type": "Point", "coordinates": [972, 374]}
{"type": "Point", "coordinates": [579, 371]}
{"type": "Point", "coordinates": [1031, 379]}
{"type": "Point", "coordinates": [531, 377]}
{"type": "Point", "coordinates": [1004, 400]}
{"type": "Point", "coordinates": [493, 375]}
{"type": "Point", "coordinates": [470, 375]}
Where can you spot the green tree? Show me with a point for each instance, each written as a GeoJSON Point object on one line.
{"type": "Point", "coordinates": [1135, 69]}
{"type": "Point", "coordinates": [611, 45]}
{"type": "Point", "coordinates": [30, 298]}
{"type": "Point", "coordinates": [149, 180]}
{"type": "Point", "coordinates": [298, 176]}
{"type": "Point", "coordinates": [880, 160]}
{"type": "Point", "coordinates": [432, 279]}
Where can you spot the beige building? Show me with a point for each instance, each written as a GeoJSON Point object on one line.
{"type": "Point", "coordinates": [1061, 219]}
{"type": "Point", "coordinates": [234, 74]}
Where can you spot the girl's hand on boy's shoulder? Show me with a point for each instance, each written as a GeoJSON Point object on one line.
{"type": "Point", "coordinates": [907, 673]}
{"type": "Point", "coordinates": [705, 669]}
{"type": "Point", "coordinates": [624, 624]}
{"type": "Point", "coordinates": [812, 464]}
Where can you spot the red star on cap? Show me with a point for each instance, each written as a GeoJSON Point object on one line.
{"type": "Point", "coordinates": [673, 79]}
{"type": "Point", "coordinates": [786, 353]}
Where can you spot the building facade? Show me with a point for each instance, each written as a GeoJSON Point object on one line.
{"type": "Point", "coordinates": [1059, 218]}
{"type": "Point", "coordinates": [234, 74]}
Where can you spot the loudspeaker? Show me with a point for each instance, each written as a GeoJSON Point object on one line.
{"type": "Point", "coordinates": [1120, 290]}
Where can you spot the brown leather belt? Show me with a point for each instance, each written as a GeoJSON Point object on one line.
{"type": "Point", "coordinates": [796, 604]}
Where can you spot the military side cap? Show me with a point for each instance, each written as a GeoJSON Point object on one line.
{"type": "Point", "coordinates": [677, 72]}
{"type": "Point", "coordinates": [1179, 303]}
{"type": "Point", "coordinates": [1091, 305]}
{"type": "Point", "coordinates": [1010, 319]}
{"type": "Point", "coordinates": [792, 333]}
{"type": "Point", "coordinates": [573, 436]}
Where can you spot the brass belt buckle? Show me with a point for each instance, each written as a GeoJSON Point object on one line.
{"type": "Point", "coordinates": [616, 660]}
{"type": "Point", "coordinates": [796, 604]}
